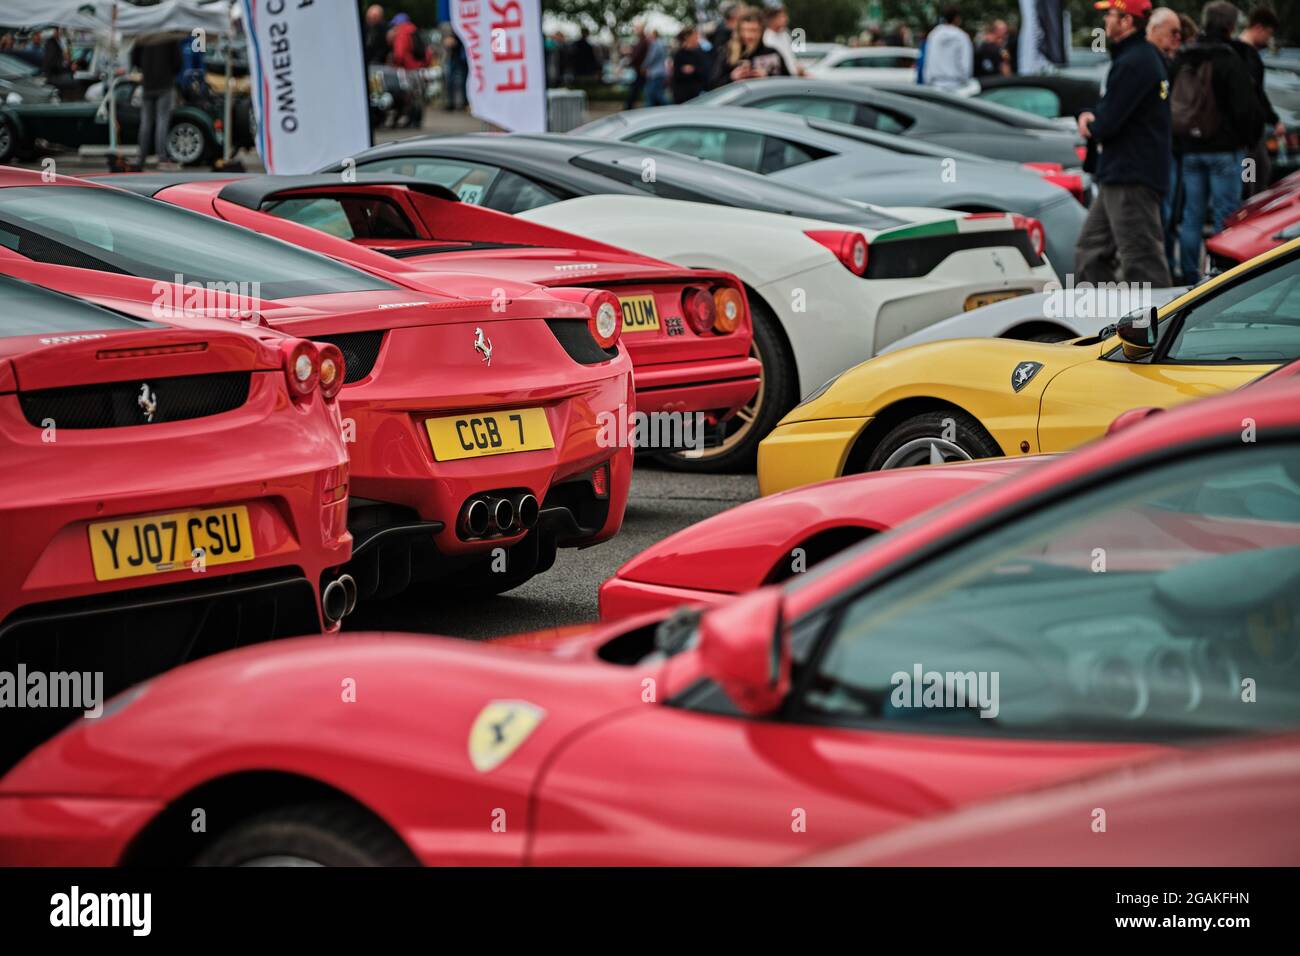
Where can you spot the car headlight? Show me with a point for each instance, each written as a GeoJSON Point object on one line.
{"type": "Point", "coordinates": [13, 99]}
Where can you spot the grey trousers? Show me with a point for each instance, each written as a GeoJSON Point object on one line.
{"type": "Point", "coordinates": [155, 123]}
{"type": "Point", "coordinates": [1122, 239]}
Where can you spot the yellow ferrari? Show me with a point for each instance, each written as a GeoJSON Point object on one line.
{"type": "Point", "coordinates": [980, 398]}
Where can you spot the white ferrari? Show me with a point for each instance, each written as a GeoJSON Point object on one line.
{"type": "Point", "coordinates": [1052, 315]}
{"type": "Point", "coordinates": [824, 296]}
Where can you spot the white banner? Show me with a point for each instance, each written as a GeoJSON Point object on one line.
{"type": "Point", "coordinates": [507, 66]}
{"type": "Point", "coordinates": [309, 82]}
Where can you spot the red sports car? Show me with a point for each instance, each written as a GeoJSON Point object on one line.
{"type": "Point", "coordinates": [1226, 806]}
{"type": "Point", "coordinates": [473, 416]}
{"type": "Point", "coordinates": [688, 331]}
{"type": "Point", "coordinates": [1264, 221]}
{"type": "Point", "coordinates": [770, 540]}
{"type": "Point", "coordinates": [1023, 636]}
{"type": "Point", "coordinates": [165, 494]}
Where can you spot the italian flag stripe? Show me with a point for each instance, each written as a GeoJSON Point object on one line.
{"type": "Point", "coordinates": [976, 222]}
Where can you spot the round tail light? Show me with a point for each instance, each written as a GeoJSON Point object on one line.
{"type": "Point", "coordinates": [332, 370]}
{"type": "Point", "coordinates": [1037, 236]}
{"type": "Point", "coordinates": [730, 305]}
{"type": "Point", "coordinates": [699, 309]}
{"type": "Point", "coordinates": [606, 320]}
{"type": "Point", "coordinates": [301, 367]}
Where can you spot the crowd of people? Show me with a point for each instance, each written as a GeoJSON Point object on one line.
{"type": "Point", "coordinates": [1177, 140]}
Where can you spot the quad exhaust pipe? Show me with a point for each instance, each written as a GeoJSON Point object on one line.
{"type": "Point", "coordinates": [339, 599]}
{"type": "Point", "coordinates": [488, 514]}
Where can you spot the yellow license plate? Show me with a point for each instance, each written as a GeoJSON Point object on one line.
{"type": "Point", "coordinates": [154, 544]}
{"type": "Point", "coordinates": [640, 314]}
{"type": "Point", "coordinates": [489, 433]}
{"type": "Point", "coordinates": [988, 298]}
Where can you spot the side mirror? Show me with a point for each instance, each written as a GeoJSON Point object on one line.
{"type": "Point", "coordinates": [745, 649]}
{"type": "Point", "coordinates": [1137, 333]}
{"type": "Point", "coordinates": [1131, 417]}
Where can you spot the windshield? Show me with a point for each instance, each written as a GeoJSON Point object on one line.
{"type": "Point", "coordinates": [727, 186]}
{"type": "Point", "coordinates": [1152, 606]}
{"type": "Point", "coordinates": [115, 231]}
{"type": "Point", "coordinates": [1255, 320]}
{"type": "Point", "coordinates": [27, 309]}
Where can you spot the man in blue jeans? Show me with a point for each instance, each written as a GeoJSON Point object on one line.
{"type": "Point", "coordinates": [1216, 118]}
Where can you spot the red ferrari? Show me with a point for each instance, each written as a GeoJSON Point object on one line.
{"type": "Point", "coordinates": [1019, 637]}
{"type": "Point", "coordinates": [770, 540]}
{"type": "Point", "coordinates": [1265, 221]}
{"type": "Point", "coordinates": [473, 415]}
{"type": "Point", "coordinates": [166, 494]}
{"type": "Point", "coordinates": [688, 331]}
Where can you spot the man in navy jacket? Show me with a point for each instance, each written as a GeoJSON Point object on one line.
{"type": "Point", "coordinates": [1130, 132]}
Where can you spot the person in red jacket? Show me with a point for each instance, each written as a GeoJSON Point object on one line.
{"type": "Point", "coordinates": [409, 49]}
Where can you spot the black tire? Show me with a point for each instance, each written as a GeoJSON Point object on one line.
{"type": "Point", "coordinates": [330, 833]}
{"type": "Point", "coordinates": [776, 396]}
{"type": "Point", "coordinates": [192, 147]}
{"type": "Point", "coordinates": [923, 434]}
{"type": "Point", "coordinates": [8, 140]}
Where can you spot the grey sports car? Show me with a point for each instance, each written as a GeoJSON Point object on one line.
{"type": "Point", "coordinates": [936, 116]}
{"type": "Point", "coordinates": [854, 163]}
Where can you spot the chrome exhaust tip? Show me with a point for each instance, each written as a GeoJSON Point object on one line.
{"type": "Point", "coordinates": [475, 518]}
{"type": "Point", "coordinates": [349, 592]}
{"type": "Point", "coordinates": [527, 511]}
{"type": "Point", "coordinates": [503, 514]}
{"type": "Point", "coordinates": [334, 602]}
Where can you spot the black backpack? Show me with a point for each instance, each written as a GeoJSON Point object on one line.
{"type": "Point", "coordinates": [419, 49]}
{"type": "Point", "coordinates": [1194, 107]}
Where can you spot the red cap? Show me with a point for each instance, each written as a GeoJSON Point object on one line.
{"type": "Point", "coordinates": [1137, 8]}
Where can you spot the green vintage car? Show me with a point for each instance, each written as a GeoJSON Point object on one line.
{"type": "Point", "coordinates": [195, 136]}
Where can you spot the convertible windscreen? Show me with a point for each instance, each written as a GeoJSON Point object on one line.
{"type": "Point", "coordinates": [115, 231]}
{"type": "Point", "coordinates": [30, 310]}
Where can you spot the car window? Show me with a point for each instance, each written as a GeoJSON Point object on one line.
{"type": "Point", "coordinates": [1030, 99]}
{"type": "Point", "coordinates": [356, 217]}
{"type": "Point", "coordinates": [30, 310]}
{"type": "Point", "coordinates": [750, 151]}
{"type": "Point", "coordinates": [876, 63]}
{"type": "Point", "coordinates": [115, 231]}
{"type": "Point", "coordinates": [481, 184]}
{"type": "Point", "coordinates": [841, 111]}
{"type": "Point", "coordinates": [1252, 321]}
{"type": "Point", "coordinates": [1134, 610]}
{"type": "Point", "coordinates": [732, 147]}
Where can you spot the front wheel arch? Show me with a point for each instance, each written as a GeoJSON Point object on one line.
{"type": "Point", "coordinates": [226, 802]}
{"type": "Point", "coordinates": [890, 417]}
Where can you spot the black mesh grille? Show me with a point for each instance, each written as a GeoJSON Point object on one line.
{"type": "Point", "coordinates": [908, 258]}
{"type": "Point", "coordinates": [576, 339]}
{"type": "Point", "coordinates": [43, 249]}
{"type": "Point", "coordinates": [118, 404]}
{"type": "Point", "coordinates": [360, 352]}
